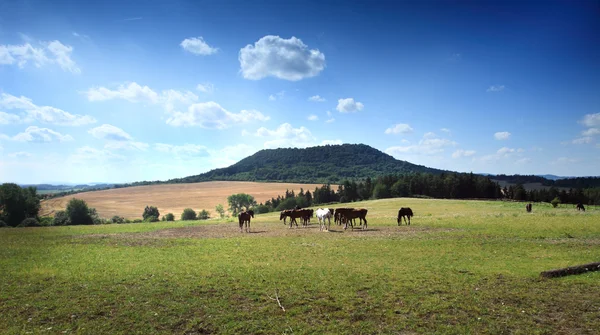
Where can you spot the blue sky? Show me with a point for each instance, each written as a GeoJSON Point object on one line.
{"type": "Point", "coordinates": [125, 91]}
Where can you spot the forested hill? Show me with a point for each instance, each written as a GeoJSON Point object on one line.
{"type": "Point", "coordinates": [322, 164]}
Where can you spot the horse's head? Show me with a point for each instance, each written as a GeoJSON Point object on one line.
{"type": "Point", "coordinates": [282, 215]}
{"type": "Point", "coordinates": [251, 212]}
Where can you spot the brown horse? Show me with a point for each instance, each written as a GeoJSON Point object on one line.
{"type": "Point", "coordinates": [294, 214]}
{"type": "Point", "coordinates": [580, 207]}
{"type": "Point", "coordinates": [528, 208]}
{"type": "Point", "coordinates": [404, 213]}
{"type": "Point", "coordinates": [349, 214]}
{"type": "Point", "coordinates": [244, 218]}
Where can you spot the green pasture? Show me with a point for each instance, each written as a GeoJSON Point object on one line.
{"type": "Point", "coordinates": [462, 267]}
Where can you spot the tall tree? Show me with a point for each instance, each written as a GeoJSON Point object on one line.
{"type": "Point", "coordinates": [239, 202]}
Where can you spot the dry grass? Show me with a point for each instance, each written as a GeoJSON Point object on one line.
{"type": "Point", "coordinates": [171, 198]}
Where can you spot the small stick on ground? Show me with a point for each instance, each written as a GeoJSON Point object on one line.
{"type": "Point", "coordinates": [572, 270]}
{"type": "Point", "coordinates": [277, 299]}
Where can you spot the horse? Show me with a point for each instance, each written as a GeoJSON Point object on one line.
{"type": "Point", "coordinates": [404, 213]}
{"type": "Point", "coordinates": [337, 216]}
{"type": "Point", "coordinates": [528, 208]}
{"type": "Point", "coordinates": [244, 218]}
{"type": "Point", "coordinates": [349, 214]}
{"type": "Point", "coordinates": [323, 214]}
{"type": "Point", "coordinates": [580, 207]}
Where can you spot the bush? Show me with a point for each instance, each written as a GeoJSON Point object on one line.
{"type": "Point", "coordinates": [555, 202]}
{"type": "Point", "coordinates": [169, 217]}
{"type": "Point", "coordinates": [203, 215]}
{"type": "Point", "coordinates": [137, 221]}
{"type": "Point", "coordinates": [117, 219]}
{"type": "Point", "coordinates": [3, 224]}
{"type": "Point", "coordinates": [46, 221]}
{"type": "Point", "coordinates": [29, 222]}
{"type": "Point", "coordinates": [79, 213]}
{"type": "Point", "coordinates": [150, 211]}
{"type": "Point", "coordinates": [188, 214]}
{"type": "Point", "coordinates": [151, 218]}
{"type": "Point", "coordinates": [61, 218]}
{"type": "Point", "coordinates": [260, 209]}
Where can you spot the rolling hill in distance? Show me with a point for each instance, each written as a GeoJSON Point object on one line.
{"type": "Point", "coordinates": [321, 164]}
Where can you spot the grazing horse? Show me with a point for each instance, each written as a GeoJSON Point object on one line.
{"type": "Point", "coordinates": [404, 213]}
{"type": "Point", "coordinates": [580, 207]}
{"type": "Point", "coordinates": [244, 218]}
{"type": "Point", "coordinates": [323, 214]}
{"type": "Point", "coordinates": [528, 208]}
{"type": "Point", "coordinates": [349, 214]}
{"type": "Point", "coordinates": [294, 214]}
{"type": "Point", "coordinates": [337, 216]}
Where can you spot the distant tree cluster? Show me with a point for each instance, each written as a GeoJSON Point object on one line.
{"type": "Point", "coordinates": [18, 204]}
{"type": "Point", "coordinates": [589, 196]}
{"type": "Point", "coordinates": [444, 185]}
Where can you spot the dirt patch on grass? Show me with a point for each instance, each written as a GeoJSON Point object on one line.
{"type": "Point", "coordinates": [259, 230]}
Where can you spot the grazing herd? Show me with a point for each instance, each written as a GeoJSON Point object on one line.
{"type": "Point", "coordinates": [341, 216]}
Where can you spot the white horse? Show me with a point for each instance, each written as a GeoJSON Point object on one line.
{"type": "Point", "coordinates": [322, 214]}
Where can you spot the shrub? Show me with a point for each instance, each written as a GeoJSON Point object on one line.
{"type": "Point", "coordinates": [169, 217]}
{"type": "Point", "coordinates": [137, 221]}
{"type": "Point", "coordinates": [117, 219]}
{"type": "Point", "coordinates": [3, 224]}
{"type": "Point", "coordinates": [46, 221]}
{"type": "Point", "coordinates": [29, 222]}
{"type": "Point", "coordinates": [555, 202]}
{"type": "Point", "coordinates": [188, 214]}
{"type": "Point", "coordinates": [151, 218]}
{"type": "Point", "coordinates": [127, 221]}
{"type": "Point", "coordinates": [203, 215]}
{"type": "Point", "coordinates": [220, 210]}
{"type": "Point", "coordinates": [61, 218]}
{"type": "Point", "coordinates": [260, 209]}
{"type": "Point", "coordinates": [79, 213]}
{"type": "Point", "coordinates": [150, 211]}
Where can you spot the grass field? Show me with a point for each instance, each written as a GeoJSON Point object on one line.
{"type": "Point", "coordinates": [462, 267]}
{"type": "Point", "coordinates": [130, 202]}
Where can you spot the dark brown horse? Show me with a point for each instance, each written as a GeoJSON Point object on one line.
{"type": "Point", "coordinates": [528, 208]}
{"type": "Point", "coordinates": [404, 213]}
{"type": "Point", "coordinates": [244, 218]}
{"type": "Point", "coordinates": [580, 207]}
{"type": "Point", "coordinates": [294, 214]}
{"type": "Point", "coordinates": [347, 215]}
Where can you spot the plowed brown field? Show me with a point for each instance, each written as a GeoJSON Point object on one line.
{"type": "Point", "coordinates": [130, 202]}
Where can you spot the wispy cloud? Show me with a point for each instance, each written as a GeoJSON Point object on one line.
{"type": "Point", "coordinates": [316, 98]}
{"type": "Point", "coordinates": [44, 114]}
{"type": "Point", "coordinates": [313, 117]}
{"type": "Point", "coordinates": [133, 18]}
{"type": "Point", "coordinates": [460, 153]}
{"type": "Point", "coordinates": [40, 55]}
{"type": "Point", "coordinates": [495, 88]}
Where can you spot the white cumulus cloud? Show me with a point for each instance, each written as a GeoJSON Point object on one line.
{"type": "Point", "coordinates": [588, 132]}
{"type": "Point", "coordinates": [313, 117]}
{"type": "Point", "coordinates": [348, 105]}
{"type": "Point", "coordinates": [44, 114]}
{"type": "Point", "coordinates": [426, 146]}
{"type": "Point", "coordinates": [502, 135]}
{"type": "Point", "coordinates": [198, 46]}
{"type": "Point", "coordinates": [286, 136]}
{"type": "Point", "coordinates": [37, 134]}
{"type": "Point", "coordinates": [591, 120]}
{"type": "Point", "coordinates": [116, 138]}
{"type": "Point", "coordinates": [53, 52]}
{"type": "Point", "coordinates": [212, 116]}
{"type": "Point", "coordinates": [400, 128]}
{"type": "Point", "coordinates": [7, 118]}
{"type": "Point", "coordinates": [273, 56]}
